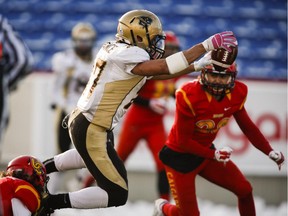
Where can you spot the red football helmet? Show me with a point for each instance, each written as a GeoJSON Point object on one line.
{"type": "Point", "coordinates": [172, 44]}
{"type": "Point", "coordinates": [29, 169]}
{"type": "Point", "coordinates": [218, 89]}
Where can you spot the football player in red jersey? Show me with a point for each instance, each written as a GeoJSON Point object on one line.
{"type": "Point", "coordinates": [203, 106]}
{"type": "Point", "coordinates": [22, 186]}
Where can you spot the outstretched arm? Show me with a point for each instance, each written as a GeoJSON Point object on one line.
{"type": "Point", "coordinates": [252, 132]}
{"type": "Point", "coordinates": [256, 137]}
{"type": "Point", "coordinates": [181, 63]}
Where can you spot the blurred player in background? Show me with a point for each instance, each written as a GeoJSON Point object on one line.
{"type": "Point", "coordinates": [121, 68]}
{"type": "Point", "coordinates": [203, 106]}
{"type": "Point", "coordinates": [15, 63]}
{"type": "Point", "coordinates": [72, 68]}
{"type": "Point", "coordinates": [22, 186]}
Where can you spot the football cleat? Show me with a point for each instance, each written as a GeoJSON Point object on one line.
{"type": "Point", "coordinates": [158, 205]}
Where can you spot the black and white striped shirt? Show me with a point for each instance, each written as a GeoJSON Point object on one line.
{"type": "Point", "coordinates": [15, 58]}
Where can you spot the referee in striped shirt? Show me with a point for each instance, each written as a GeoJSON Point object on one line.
{"type": "Point", "coordinates": [15, 63]}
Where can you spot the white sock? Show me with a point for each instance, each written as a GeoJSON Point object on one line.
{"type": "Point", "coordinates": [68, 160]}
{"type": "Point", "coordinates": [91, 197]}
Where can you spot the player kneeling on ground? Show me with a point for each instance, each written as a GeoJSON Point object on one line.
{"type": "Point", "coordinates": [22, 186]}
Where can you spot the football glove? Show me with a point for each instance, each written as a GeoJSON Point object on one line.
{"type": "Point", "coordinates": [44, 209]}
{"type": "Point", "coordinates": [278, 157]}
{"type": "Point", "coordinates": [220, 40]}
{"type": "Point", "coordinates": [158, 105]}
{"type": "Point", "coordinates": [223, 155]}
{"type": "Point", "coordinates": [202, 62]}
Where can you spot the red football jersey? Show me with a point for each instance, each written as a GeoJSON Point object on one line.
{"type": "Point", "coordinates": [151, 89]}
{"type": "Point", "coordinates": [199, 116]}
{"type": "Point", "coordinates": [11, 187]}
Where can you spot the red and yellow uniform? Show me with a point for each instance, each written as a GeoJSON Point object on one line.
{"type": "Point", "coordinates": [189, 150]}
{"type": "Point", "coordinates": [11, 187]}
{"type": "Point", "coordinates": [141, 122]}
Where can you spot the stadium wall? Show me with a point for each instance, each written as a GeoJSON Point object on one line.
{"type": "Point", "coordinates": [32, 131]}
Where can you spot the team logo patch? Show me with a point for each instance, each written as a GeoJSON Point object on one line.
{"type": "Point", "coordinates": [36, 166]}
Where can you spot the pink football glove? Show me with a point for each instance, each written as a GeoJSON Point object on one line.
{"type": "Point", "coordinates": [223, 155]}
{"type": "Point", "coordinates": [220, 40]}
{"type": "Point", "coordinates": [278, 157]}
{"type": "Point", "coordinates": [158, 105]}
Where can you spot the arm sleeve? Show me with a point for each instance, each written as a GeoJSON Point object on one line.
{"type": "Point", "coordinates": [18, 60]}
{"type": "Point", "coordinates": [19, 209]}
{"type": "Point", "coordinates": [130, 57]}
{"type": "Point", "coordinates": [62, 78]}
{"type": "Point", "coordinates": [185, 121]}
{"type": "Point", "coordinates": [251, 131]}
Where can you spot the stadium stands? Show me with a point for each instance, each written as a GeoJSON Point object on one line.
{"type": "Point", "coordinates": [260, 25]}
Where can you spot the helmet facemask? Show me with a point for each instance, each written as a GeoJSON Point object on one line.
{"type": "Point", "coordinates": [156, 48]}
{"type": "Point", "coordinates": [215, 88]}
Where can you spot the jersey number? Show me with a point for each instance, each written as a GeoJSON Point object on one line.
{"type": "Point", "coordinates": [97, 71]}
{"type": "Point", "coordinates": [209, 125]}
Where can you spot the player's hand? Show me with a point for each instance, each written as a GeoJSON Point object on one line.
{"type": "Point", "coordinates": [158, 105]}
{"type": "Point", "coordinates": [223, 154]}
{"type": "Point", "coordinates": [220, 40]}
{"type": "Point", "coordinates": [278, 157]}
{"type": "Point", "coordinates": [202, 62]}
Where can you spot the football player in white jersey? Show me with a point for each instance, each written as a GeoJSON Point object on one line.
{"type": "Point", "coordinates": [72, 68]}
{"type": "Point", "coordinates": [120, 69]}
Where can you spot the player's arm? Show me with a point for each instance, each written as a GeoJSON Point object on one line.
{"type": "Point", "coordinates": [160, 66]}
{"type": "Point", "coordinates": [59, 69]}
{"type": "Point", "coordinates": [183, 62]}
{"type": "Point", "coordinates": [19, 209]}
{"type": "Point", "coordinates": [256, 137]}
{"type": "Point", "coordinates": [251, 131]}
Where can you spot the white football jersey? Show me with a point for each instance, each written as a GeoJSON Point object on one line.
{"type": "Point", "coordinates": [112, 86]}
{"type": "Point", "coordinates": [72, 74]}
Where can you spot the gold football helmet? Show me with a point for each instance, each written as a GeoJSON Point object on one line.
{"type": "Point", "coordinates": [83, 37]}
{"type": "Point", "coordinates": [83, 31]}
{"type": "Point", "coordinates": [142, 28]}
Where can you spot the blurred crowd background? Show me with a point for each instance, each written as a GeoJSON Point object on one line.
{"type": "Point", "coordinates": [260, 26]}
